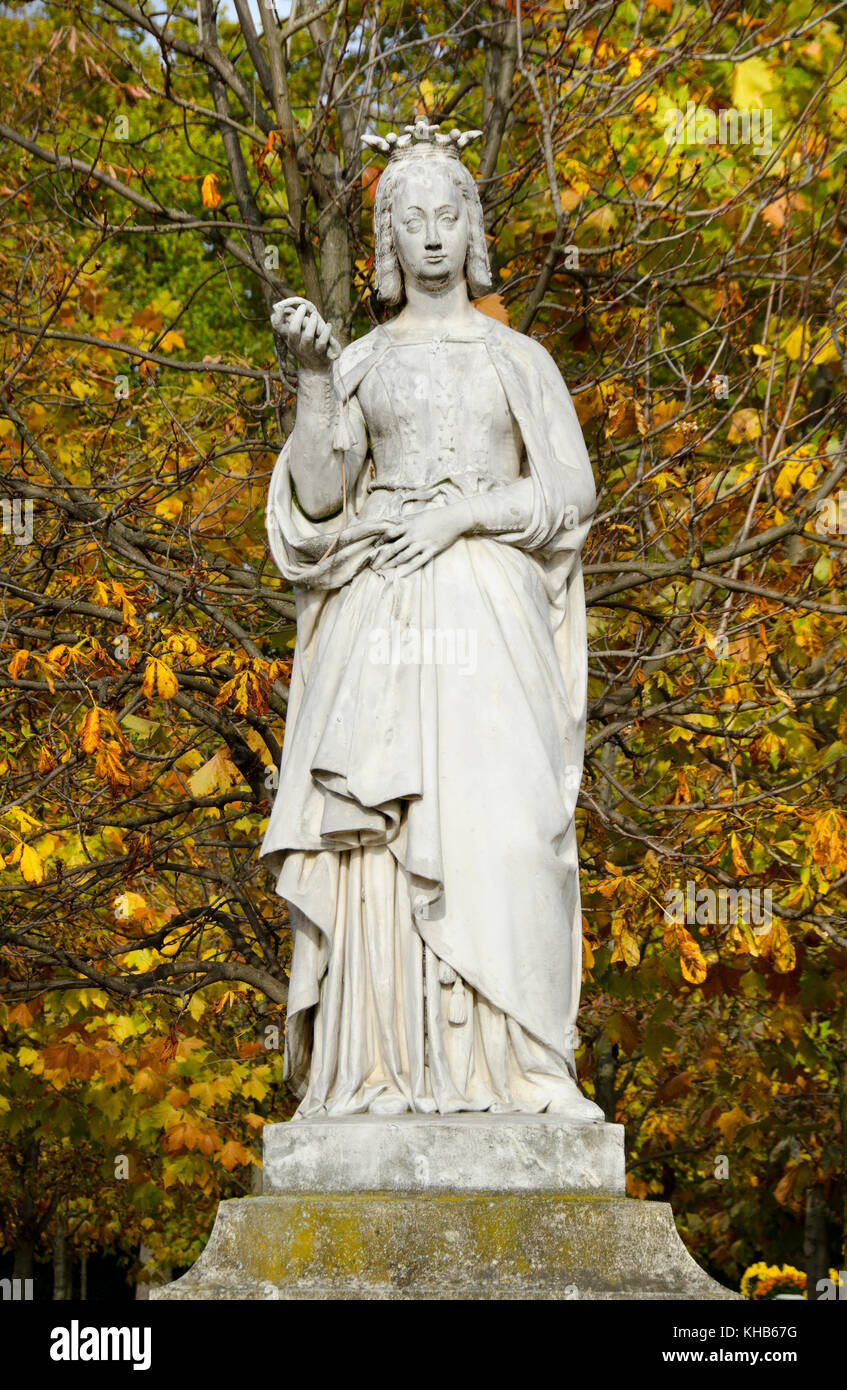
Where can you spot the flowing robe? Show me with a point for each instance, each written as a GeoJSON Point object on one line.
{"type": "Point", "coordinates": [423, 829]}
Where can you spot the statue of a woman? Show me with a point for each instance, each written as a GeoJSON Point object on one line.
{"type": "Point", "coordinates": [429, 508]}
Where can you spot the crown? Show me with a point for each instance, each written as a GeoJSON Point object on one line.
{"type": "Point", "coordinates": [421, 139]}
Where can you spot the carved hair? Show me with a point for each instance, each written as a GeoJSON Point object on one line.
{"type": "Point", "coordinates": [388, 276]}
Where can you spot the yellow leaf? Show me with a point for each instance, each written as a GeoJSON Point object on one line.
{"type": "Point", "coordinates": [122, 1028]}
{"type": "Point", "coordinates": [751, 81]}
{"type": "Point", "coordinates": [427, 97]}
{"type": "Point", "coordinates": [691, 960]}
{"type": "Point", "coordinates": [798, 342]}
{"type": "Point", "coordinates": [170, 508]}
{"type": "Point", "coordinates": [782, 950]}
{"type": "Point", "coordinates": [159, 680]}
{"type": "Point", "coordinates": [245, 692]}
{"type": "Point", "coordinates": [114, 838]}
{"type": "Point", "coordinates": [740, 863]}
{"type": "Point", "coordinates": [172, 339]}
{"type": "Point", "coordinates": [130, 907]}
{"type": "Point", "coordinates": [828, 840]}
{"type": "Point", "coordinates": [218, 774]}
{"type": "Point", "coordinates": [731, 1122]}
{"type": "Point", "coordinates": [210, 192]}
{"type": "Point", "coordinates": [626, 948]}
{"type": "Point", "coordinates": [745, 425]}
{"type": "Point", "coordinates": [110, 767]}
{"type": "Point", "coordinates": [32, 865]}
{"type": "Point", "coordinates": [798, 470]}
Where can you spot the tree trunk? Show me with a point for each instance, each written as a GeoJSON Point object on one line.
{"type": "Point", "coordinates": [61, 1263]}
{"type": "Point", "coordinates": [24, 1258]}
{"type": "Point", "coordinates": [815, 1255]}
{"type": "Point", "coordinates": [605, 1073]}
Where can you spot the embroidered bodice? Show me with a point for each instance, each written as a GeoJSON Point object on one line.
{"type": "Point", "coordinates": [436, 410]}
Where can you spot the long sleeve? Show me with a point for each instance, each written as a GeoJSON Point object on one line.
{"type": "Point", "coordinates": [507, 508]}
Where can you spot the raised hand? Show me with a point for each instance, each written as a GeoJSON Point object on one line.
{"type": "Point", "coordinates": [307, 334]}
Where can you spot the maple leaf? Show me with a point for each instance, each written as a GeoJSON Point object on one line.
{"type": "Point", "coordinates": [172, 339]}
{"type": "Point", "coordinates": [232, 1153]}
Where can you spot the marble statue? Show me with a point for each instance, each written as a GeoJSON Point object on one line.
{"type": "Point", "coordinates": [429, 508]}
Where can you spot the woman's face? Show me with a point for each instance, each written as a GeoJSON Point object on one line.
{"type": "Point", "coordinates": [430, 225]}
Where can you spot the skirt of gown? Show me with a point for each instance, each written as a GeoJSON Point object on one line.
{"type": "Point", "coordinates": [397, 1030]}
{"type": "Point", "coordinates": [424, 831]}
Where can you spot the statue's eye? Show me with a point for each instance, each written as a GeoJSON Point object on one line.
{"type": "Point", "coordinates": [448, 217]}
{"type": "Point", "coordinates": [413, 224]}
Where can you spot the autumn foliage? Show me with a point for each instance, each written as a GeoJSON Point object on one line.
{"type": "Point", "coordinates": [162, 185]}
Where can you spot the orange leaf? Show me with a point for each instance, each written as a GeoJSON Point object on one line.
{"type": "Point", "coordinates": [46, 761]}
{"type": "Point", "coordinates": [494, 306]}
{"type": "Point", "coordinates": [233, 1153]}
{"type": "Point", "coordinates": [691, 960]}
{"type": "Point", "coordinates": [210, 192]}
{"type": "Point", "coordinates": [89, 734]}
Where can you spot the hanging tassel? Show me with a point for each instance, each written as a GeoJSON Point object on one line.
{"type": "Point", "coordinates": [458, 1009]}
{"type": "Point", "coordinates": [446, 973]}
{"type": "Point", "coordinates": [344, 436]}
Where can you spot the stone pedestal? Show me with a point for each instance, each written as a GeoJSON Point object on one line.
{"type": "Point", "coordinates": [461, 1207]}
{"type": "Point", "coordinates": [444, 1153]}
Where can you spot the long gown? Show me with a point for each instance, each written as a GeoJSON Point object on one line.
{"type": "Point", "coordinates": [422, 831]}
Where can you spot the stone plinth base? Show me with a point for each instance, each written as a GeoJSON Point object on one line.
{"type": "Point", "coordinates": [441, 1207]}
{"type": "Point", "coordinates": [444, 1153]}
{"type": "Point", "coordinates": [438, 1246]}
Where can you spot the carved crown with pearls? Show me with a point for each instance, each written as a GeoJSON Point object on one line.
{"type": "Point", "coordinates": [421, 140]}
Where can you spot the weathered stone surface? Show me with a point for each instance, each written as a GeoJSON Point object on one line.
{"type": "Point", "coordinates": [444, 1246]}
{"type": "Point", "coordinates": [444, 1153]}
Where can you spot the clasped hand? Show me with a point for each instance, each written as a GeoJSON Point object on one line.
{"type": "Point", "coordinates": [414, 540]}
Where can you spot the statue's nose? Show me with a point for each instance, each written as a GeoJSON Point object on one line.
{"type": "Point", "coordinates": [433, 236]}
